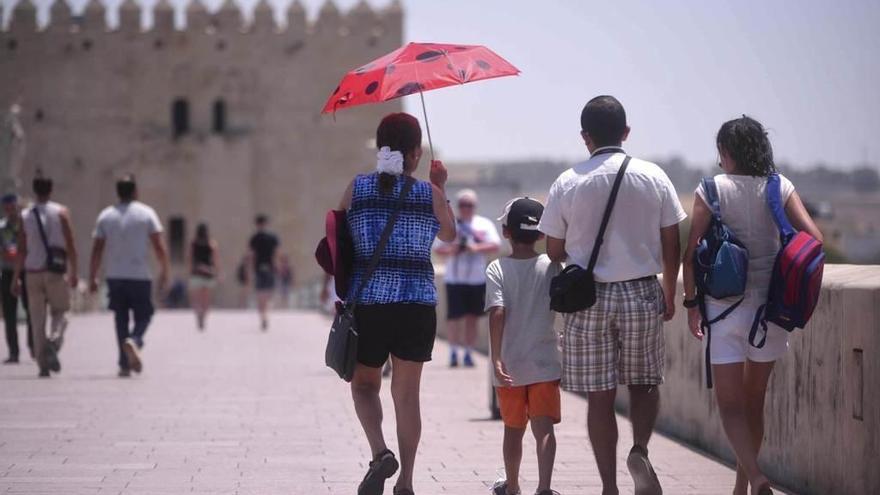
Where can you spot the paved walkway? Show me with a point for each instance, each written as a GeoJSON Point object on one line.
{"type": "Point", "coordinates": [236, 411]}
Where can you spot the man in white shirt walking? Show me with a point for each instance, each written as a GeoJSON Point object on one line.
{"type": "Point", "coordinates": [619, 340]}
{"type": "Point", "coordinates": [465, 276]}
{"type": "Point", "coordinates": [124, 231]}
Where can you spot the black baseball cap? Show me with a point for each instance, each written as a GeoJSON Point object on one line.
{"type": "Point", "coordinates": [522, 215]}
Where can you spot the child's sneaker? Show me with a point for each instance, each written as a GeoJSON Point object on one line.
{"type": "Point", "coordinates": [500, 488]}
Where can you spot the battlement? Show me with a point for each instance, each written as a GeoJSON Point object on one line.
{"type": "Point", "coordinates": [228, 18]}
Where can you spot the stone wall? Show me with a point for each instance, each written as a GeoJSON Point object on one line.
{"type": "Point", "coordinates": [823, 407]}
{"type": "Point", "coordinates": [99, 101]}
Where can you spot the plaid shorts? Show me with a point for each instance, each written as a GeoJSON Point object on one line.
{"type": "Point", "coordinates": [617, 341]}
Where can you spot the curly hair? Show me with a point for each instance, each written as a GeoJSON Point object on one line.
{"type": "Point", "coordinates": [745, 141]}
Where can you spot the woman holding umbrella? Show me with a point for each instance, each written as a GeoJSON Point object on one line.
{"type": "Point", "coordinates": [396, 308]}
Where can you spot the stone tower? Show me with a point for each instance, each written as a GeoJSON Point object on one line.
{"type": "Point", "coordinates": [219, 121]}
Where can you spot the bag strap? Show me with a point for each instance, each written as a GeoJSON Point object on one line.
{"type": "Point", "coordinates": [711, 190]}
{"type": "Point", "coordinates": [594, 257]}
{"type": "Point", "coordinates": [36, 214]}
{"type": "Point", "coordinates": [380, 247]}
{"type": "Point", "coordinates": [777, 209]}
{"type": "Point", "coordinates": [706, 327]}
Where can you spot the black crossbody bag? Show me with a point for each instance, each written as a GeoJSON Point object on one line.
{"type": "Point", "coordinates": [574, 289]}
{"type": "Point", "coordinates": [342, 344]}
{"type": "Point", "coordinates": [56, 257]}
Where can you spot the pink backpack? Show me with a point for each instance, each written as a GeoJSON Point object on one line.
{"type": "Point", "coordinates": [797, 274]}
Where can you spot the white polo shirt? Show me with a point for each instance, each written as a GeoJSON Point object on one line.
{"type": "Point", "coordinates": [646, 202]}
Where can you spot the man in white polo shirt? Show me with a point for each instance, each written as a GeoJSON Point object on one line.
{"type": "Point", "coordinates": [619, 340]}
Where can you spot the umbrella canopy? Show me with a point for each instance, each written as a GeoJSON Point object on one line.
{"type": "Point", "coordinates": [415, 68]}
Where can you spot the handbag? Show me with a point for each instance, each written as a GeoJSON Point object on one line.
{"type": "Point", "coordinates": [56, 257]}
{"type": "Point", "coordinates": [574, 289]}
{"type": "Point", "coordinates": [342, 344]}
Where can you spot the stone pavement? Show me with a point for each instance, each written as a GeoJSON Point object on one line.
{"type": "Point", "coordinates": [236, 411]}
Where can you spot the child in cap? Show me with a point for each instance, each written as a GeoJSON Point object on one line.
{"type": "Point", "coordinates": [523, 343]}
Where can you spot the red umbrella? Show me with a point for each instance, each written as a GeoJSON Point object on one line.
{"type": "Point", "coordinates": [416, 68]}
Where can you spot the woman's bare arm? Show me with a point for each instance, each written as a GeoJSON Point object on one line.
{"type": "Point", "coordinates": [800, 218]}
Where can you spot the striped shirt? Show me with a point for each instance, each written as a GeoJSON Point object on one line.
{"type": "Point", "coordinates": [405, 273]}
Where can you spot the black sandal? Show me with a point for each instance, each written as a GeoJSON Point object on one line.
{"type": "Point", "coordinates": [403, 491]}
{"type": "Point", "coordinates": [381, 468]}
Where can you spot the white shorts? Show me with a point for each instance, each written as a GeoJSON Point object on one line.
{"type": "Point", "coordinates": [730, 336]}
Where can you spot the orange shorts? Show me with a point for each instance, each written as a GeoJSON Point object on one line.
{"type": "Point", "coordinates": [519, 404]}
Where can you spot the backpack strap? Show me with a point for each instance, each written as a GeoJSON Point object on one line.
{"type": "Point", "coordinates": [711, 190]}
{"type": "Point", "coordinates": [777, 209]}
{"type": "Point", "coordinates": [706, 327]}
{"type": "Point", "coordinates": [759, 325]}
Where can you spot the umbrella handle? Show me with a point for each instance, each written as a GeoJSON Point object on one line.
{"type": "Point", "coordinates": [427, 126]}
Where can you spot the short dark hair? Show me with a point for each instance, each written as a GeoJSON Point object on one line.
{"type": "Point", "coordinates": [261, 219]}
{"type": "Point", "coordinates": [126, 187]}
{"type": "Point", "coordinates": [520, 236]}
{"type": "Point", "coordinates": [745, 141]}
{"type": "Point", "coordinates": [604, 119]}
{"type": "Point", "coordinates": [42, 185]}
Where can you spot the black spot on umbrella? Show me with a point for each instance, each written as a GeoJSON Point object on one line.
{"type": "Point", "coordinates": [483, 65]}
{"type": "Point", "coordinates": [462, 75]}
{"type": "Point", "coordinates": [390, 69]}
{"type": "Point", "coordinates": [336, 90]}
{"type": "Point", "coordinates": [372, 87]}
{"type": "Point", "coordinates": [429, 56]}
{"type": "Point", "coordinates": [409, 88]}
{"type": "Point", "coordinates": [461, 48]}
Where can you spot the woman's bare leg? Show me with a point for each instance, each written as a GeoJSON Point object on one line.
{"type": "Point", "coordinates": [405, 385]}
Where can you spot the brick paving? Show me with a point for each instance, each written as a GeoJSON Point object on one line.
{"type": "Point", "coordinates": [236, 411]}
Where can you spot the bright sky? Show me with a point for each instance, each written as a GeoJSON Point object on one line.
{"type": "Point", "coordinates": [808, 69]}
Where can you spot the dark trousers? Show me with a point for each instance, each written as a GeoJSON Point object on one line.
{"type": "Point", "coordinates": [130, 298]}
{"type": "Point", "coordinates": [10, 313]}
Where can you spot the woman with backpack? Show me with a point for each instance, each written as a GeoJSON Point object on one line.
{"type": "Point", "coordinates": [741, 371]}
{"type": "Point", "coordinates": [395, 297]}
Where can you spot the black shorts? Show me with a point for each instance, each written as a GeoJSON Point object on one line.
{"type": "Point", "coordinates": [265, 279]}
{"type": "Point", "coordinates": [465, 300]}
{"type": "Point", "coordinates": [405, 331]}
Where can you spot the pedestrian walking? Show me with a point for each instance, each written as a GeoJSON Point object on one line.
{"type": "Point", "coordinates": [47, 252]}
{"type": "Point", "coordinates": [395, 312]}
{"type": "Point", "coordinates": [242, 278]}
{"type": "Point", "coordinates": [204, 270]}
{"type": "Point", "coordinates": [263, 257]}
{"type": "Point", "coordinates": [9, 227]}
{"type": "Point", "coordinates": [740, 371]}
{"type": "Point", "coordinates": [524, 349]}
{"type": "Point", "coordinates": [476, 238]}
{"type": "Point", "coordinates": [619, 340]}
{"type": "Point", "coordinates": [122, 235]}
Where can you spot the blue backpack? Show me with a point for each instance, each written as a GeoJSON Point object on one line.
{"type": "Point", "coordinates": [721, 265]}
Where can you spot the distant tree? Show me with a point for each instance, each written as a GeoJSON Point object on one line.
{"type": "Point", "coordinates": [865, 180]}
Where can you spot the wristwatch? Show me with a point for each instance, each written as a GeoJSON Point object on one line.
{"type": "Point", "coordinates": [690, 303]}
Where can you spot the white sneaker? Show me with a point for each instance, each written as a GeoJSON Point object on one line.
{"type": "Point", "coordinates": [131, 352]}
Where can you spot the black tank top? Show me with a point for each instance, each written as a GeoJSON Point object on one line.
{"type": "Point", "coordinates": [203, 259]}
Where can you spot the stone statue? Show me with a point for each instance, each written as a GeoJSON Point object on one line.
{"type": "Point", "coordinates": [12, 146]}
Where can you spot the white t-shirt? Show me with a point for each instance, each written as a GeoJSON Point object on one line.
{"type": "Point", "coordinates": [743, 202]}
{"type": "Point", "coordinates": [645, 203]}
{"type": "Point", "coordinates": [529, 347]}
{"type": "Point", "coordinates": [470, 268]}
{"type": "Point", "coordinates": [126, 230]}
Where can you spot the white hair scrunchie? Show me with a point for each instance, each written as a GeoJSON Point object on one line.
{"type": "Point", "coordinates": [389, 162]}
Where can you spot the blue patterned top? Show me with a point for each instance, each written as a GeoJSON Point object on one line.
{"type": "Point", "coordinates": [405, 273]}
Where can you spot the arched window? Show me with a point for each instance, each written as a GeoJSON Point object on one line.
{"type": "Point", "coordinates": [180, 117]}
{"type": "Point", "coordinates": [219, 116]}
